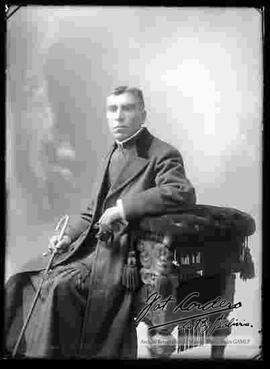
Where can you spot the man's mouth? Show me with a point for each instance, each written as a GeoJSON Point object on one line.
{"type": "Point", "coordinates": [119, 128]}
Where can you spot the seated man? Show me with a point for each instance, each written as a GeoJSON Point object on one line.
{"type": "Point", "coordinates": [84, 309]}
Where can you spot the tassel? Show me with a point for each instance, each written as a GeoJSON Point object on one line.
{"type": "Point", "coordinates": [130, 276]}
{"type": "Point", "coordinates": [164, 286]}
{"type": "Point", "coordinates": [247, 269]}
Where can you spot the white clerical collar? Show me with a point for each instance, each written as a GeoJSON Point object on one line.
{"type": "Point", "coordinates": [121, 143]}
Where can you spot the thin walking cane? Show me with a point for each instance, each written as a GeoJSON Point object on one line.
{"type": "Point", "coordinates": [62, 223]}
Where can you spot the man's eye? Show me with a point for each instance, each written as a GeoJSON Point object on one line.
{"type": "Point", "coordinates": [128, 107]}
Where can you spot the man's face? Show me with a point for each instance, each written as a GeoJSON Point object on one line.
{"type": "Point", "coordinates": [125, 115]}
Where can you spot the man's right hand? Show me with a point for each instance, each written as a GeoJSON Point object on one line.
{"type": "Point", "coordinates": [59, 245]}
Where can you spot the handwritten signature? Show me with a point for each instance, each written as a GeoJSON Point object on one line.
{"type": "Point", "coordinates": [154, 302]}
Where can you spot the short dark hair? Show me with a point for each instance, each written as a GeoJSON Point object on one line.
{"type": "Point", "coordinates": [132, 90]}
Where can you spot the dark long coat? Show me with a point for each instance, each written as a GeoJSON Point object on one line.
{"type": "Point", "coordinates": [152, 182]}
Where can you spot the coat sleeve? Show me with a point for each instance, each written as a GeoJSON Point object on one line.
{"type": "Point", "coordinates": [79, 223]}
{"type": "Point", "coordinates": [172, 191]}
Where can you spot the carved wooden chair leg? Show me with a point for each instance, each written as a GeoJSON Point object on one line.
{"type": "Point", "coordinates": [161, 344]}
{"type": "Point", "coordinates": [217, 352]}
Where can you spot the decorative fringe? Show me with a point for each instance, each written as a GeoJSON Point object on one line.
{"type": "Point", "coordinates": [130, 275]}
{"type": "Point", "coordinates": [164, 286]}
{"type": "Point", "coordinates": [247, 269]}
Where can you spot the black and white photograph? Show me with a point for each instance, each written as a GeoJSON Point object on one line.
{"type": "Point", "coordinates": [133, 182]}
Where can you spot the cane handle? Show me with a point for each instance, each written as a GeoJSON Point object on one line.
{"type": "Point", "coordinates": [61, 225]}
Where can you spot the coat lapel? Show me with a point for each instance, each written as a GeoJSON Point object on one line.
{"type": "Point", "coordinates": [101, 189]}
{"type": "Point", "coordinates": [134, 165]}
{"type": "Point", "coordinates": [129, 172]}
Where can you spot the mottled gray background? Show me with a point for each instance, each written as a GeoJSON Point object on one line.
{"type": "Point", "coordinates": [201, 73]}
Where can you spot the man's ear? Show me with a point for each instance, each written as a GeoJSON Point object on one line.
{"type": "Point", "coordinates": [144, 114]}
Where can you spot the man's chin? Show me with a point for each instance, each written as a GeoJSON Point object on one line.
{"type": "Point", "coordinates": [120, 137]}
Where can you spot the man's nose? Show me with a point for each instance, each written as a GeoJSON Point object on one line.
{"type": "Point", "coordinates": [119, 114]}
